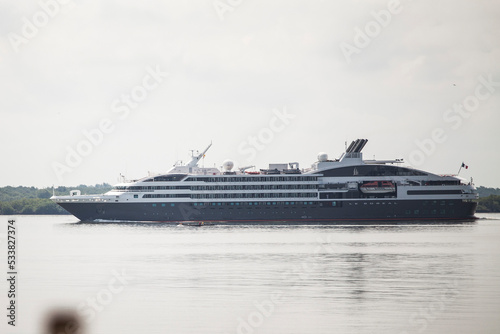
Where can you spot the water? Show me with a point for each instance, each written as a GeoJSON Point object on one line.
{"type": "Point", "coordinates": [156, 278]}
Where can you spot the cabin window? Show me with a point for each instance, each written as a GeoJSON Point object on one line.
{"type": "Point", "coordinates": [434, 192]}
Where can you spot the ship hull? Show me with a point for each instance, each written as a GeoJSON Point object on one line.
{"type": "Point", "coordinates": [324, 211]}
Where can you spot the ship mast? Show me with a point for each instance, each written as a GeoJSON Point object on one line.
{"type": "Point", "coordinates": [196, 158]}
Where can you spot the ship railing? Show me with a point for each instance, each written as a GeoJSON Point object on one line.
{"type": "Point", "coordinates": [88, 199]}
{"type": "Point", "coordinates": [135, 191]}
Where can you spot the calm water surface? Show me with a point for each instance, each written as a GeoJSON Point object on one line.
{"type": "Point", "coordinates": [157, 278]}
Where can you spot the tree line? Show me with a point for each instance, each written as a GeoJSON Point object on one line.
{"type": "Point", "coordinates": [489, 203]}
{"type": "Point", "coordinates": [34, 201]}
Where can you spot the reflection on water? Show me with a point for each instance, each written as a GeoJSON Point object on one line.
{"type": "Point", "coordinates": [385, 278]}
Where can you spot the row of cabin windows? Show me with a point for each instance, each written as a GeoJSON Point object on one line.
{"type": "Point", "coordinates": [254, 203]}
{"type": "Point", "coordinates": [442, 203]}
{"type": "Point", "coordinates": [257, 187]}
{"type": "Point", "coordinates": [140, 188]}
{"type": "Point", "coordinates": [442, 183]}
{"type": "Point", "coordinates": [254, 195]}
{"type": "Point", "coordinates": [268, 204]}
{"type": "Point", "coordinates": [163, 195]}
{"type": "Point", "coordinates": [253, 179]}
{"type": "Point", "coordinates": [426, 212]}
{"type": "Point", "coordinates": [238, 187]}
{"type": "Point", "coordinates": [435, 192]}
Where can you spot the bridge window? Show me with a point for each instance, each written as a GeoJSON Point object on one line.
{"type": "Point", "coordinates": [373, 170]}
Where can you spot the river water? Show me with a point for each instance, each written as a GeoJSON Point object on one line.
{"type": "Point", "coordinates": [159, 278]}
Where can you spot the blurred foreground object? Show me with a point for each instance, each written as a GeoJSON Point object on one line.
{"type": "Point", "coordinates": [63, 321]}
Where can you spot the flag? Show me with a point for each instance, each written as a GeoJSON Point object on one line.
{"type": "Point", "coordinates": [465, 166]}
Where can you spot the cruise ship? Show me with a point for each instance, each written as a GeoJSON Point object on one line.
{"type": "Point", "coordinates": [331, 190]}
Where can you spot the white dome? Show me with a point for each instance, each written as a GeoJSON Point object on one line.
{"type": "Point", "coordinates": [322, 156]}
{"type": "Point", "coordinates": [228, 165]}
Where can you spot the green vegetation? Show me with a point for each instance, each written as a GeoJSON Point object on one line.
{"type": "Point", "coordinates": [34, 201]}
{"type": "Point", "coordinates": [485, 192]}
{"type": "Point", "coordinates": [489, 199]}
{"type": "Point", "coordinates": [489, 204]}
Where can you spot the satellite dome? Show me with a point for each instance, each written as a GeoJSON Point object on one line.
{"type": "Point", "coordinates": [322, 156]}
{"type": "Point", "coordinates": [228, 165]}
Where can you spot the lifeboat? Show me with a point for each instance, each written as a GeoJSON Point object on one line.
{"type": "Point", "coordinates": [378, 187]}
{"type": "Point", "coordinates": [252, 173]}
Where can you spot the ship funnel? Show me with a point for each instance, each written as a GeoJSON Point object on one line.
{"type": "Point", "coordinates": [356, 146]}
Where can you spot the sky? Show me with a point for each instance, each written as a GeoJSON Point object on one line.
{"type": "Point", "coordinates": [94, 89]}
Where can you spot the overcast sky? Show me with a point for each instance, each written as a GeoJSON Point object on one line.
{"type": "Point", "coordinates": [92, 89]}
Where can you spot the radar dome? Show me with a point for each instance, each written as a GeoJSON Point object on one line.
{"type": "Point", "coordinates": [228, 165]}
{"type": "Point", "coordinates": [322, 156]}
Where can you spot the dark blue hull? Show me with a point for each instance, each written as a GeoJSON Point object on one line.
{"type": "Point", "coordinates": [276, 211]}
